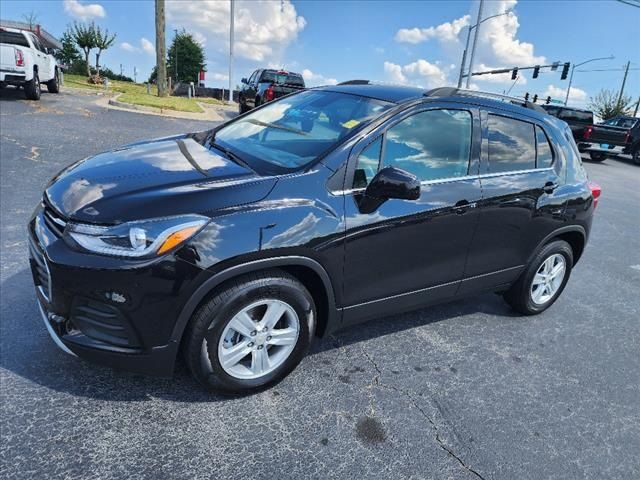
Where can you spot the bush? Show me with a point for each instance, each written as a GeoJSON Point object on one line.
{"type": "Point", "coordinates": [79, 67]}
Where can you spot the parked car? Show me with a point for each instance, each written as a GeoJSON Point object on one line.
{"type": "Point", "coordinates": [239, 245]}
{"type": "Point", "coordinates": [25, 62]}
{"type": "Point", "coordinates": [266, 85]}
{"type": "Point", "coordinates": [614, 136]}
{"type": "Point", "coordinates": [576, 118]}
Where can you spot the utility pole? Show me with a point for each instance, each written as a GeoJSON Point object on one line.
{"type": "Point", "coordinates": [231, 18]}
{"type": "Point", "coordinates": [624, 80]}
{"type": "Point", "coordinates": [175, 45]}
{"type": "Point", "coordinates": [475, 42]}
{"type": "Point", "coordinates": [635, 112]}
{"type": "Point", "coordinates": [161, 57]}
{"type": "Point", "coordinates": [120, 69]}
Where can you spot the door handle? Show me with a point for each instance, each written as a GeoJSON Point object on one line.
{"type": "Point", "coordinates": [549, 187]}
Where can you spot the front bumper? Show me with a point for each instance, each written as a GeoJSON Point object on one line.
{"type": "Point", "coordinates": [115, 312]}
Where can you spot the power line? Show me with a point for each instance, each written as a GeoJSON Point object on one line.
{"type": "Point", "coordinates": [631, 3]}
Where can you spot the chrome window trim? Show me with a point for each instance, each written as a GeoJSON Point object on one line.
{"type": "Point", "coordinates": [351, 191]}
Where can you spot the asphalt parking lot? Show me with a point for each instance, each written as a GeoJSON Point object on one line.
{"type": "Point", "coordinates": [462, 390]}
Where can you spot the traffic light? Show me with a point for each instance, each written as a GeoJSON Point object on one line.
{"type": "Point", "coordinates": [514, 74]}
{"type": "Point", "coordinates": [536, 71]}
{"type": "Point", "coordinates": [535, 98]}
{"type": "Point", "coordinates": [526, 97]}
{"type": "Point", "coordinates": [565, 71]}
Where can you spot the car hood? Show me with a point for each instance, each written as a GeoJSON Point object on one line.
{"type": "Point", "coordinates": [158, 178]}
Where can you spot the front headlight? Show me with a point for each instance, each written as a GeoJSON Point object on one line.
{"type": "Point", "coordinates": [145, 238]}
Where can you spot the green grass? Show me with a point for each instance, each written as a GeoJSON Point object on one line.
{"type": "Point", "coordinates": [136, 94]}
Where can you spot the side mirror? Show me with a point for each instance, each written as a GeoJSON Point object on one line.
{"type": "Point", "coordinates": [391, 182]}
{"type": "Point", "coordinates": [244, 80]}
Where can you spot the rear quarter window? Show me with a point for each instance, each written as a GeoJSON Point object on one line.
{"type": "Point", "coordinates": [512, 144]}
{"type": "Point", "coordinates": [13, 38]}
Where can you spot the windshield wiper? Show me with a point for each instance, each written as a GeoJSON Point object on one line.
{"type": "Point", "coordinates": [230, 154]}
{"type": "Point", "coordinates": [273, 125]}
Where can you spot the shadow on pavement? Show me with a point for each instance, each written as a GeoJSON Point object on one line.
{"type": "Point", "coordinates": [28, 352]}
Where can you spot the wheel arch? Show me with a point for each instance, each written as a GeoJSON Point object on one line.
{"type": "Point", "coordinates": [308, 271]}
{"type": "Point", "coordinates": [574, 235]}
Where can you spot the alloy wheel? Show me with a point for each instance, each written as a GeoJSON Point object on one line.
{"type": "Point", "coordinates": [548, 279]}
{"type": "Point", "coordinates": [258, 339]}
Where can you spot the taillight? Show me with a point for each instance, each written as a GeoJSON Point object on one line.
{"type": "Point", "coordinates": [627, 137]}
{"type": "Point", "coordinates": [268, 94]}
{"type": "Point", "coordinates": [19, 58]}
{"type": "Point", "coordinates": [595, 192]}
{"type": "Point", "coordinates": [587, 132]}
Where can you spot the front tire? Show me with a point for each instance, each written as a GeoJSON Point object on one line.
{"type": "Point", "coordinates": [32, 88]}
{"type": "Point", "coordinates": [251, 334]}
{"type": "Point", "coordinates": [53, 85]}
{"type": "Point", "coordinates": [543, 280]}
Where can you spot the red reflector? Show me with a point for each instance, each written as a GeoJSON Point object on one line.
{"type": "Point", "coordinates": [627, 137]}
{"type": "Point", "coordinates": [595, 192]}
{"type": "Point", "coordinates": [269, 93]}
{"type": "Point", "coordinates": [587, 132]}
{"type": "Point", "coordinates": [19, 58]}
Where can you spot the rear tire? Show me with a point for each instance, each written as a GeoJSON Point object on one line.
{"type": "Point", "coordinates": [32, 88]}
{"type": "Point", "coordinates": [539, 287]}
{"type": "Point", "coordinates": [234, 320]}
{"type": "Point", "coordinates": [53, 85]}
{"type": "Point", "coordinates": [636, 155]}
{"type": "Point", "coordinates": [598, 156]}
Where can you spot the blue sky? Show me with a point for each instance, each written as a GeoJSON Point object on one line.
{"type": "Point", "coordinates": [398, 41]}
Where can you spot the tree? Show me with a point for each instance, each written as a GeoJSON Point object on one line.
{"type": "Point", "coordinates": [102, 42]}
{"type": "Point", "coordinates": [161, 49]}
{"type": "Point", "coordinates": [85, 38]}
{"type": "Point", "coordinates": [605, 104]}
{"type": "Point", "coordinates": [189, 55]}
{"type": "Point", "coordinates": [31, 18]}
{"type": "Point", "coordinates": [68, 54]}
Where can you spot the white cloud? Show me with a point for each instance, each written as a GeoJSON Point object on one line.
{"type": "Point", "coordinates": [220, 77]}
{"type": "Point", "coordinates": [576, 95]}
{"type": "Point", "coordinates": [394, 72]}
{"type": "Point", "coordinates": [421, 73]}
{"type": "Point", "coordinates": [126, 46]}
{"type": "Point", "coordinates": [147, 46]}
{"type": "Point", "coordinates": [262, 29]}
{"type": "Point", "coordinates": [84, 12]}
{"type": "Point", "coordinates": [445, 32]}
{"type": "Point", "coordinates": [313, 79]}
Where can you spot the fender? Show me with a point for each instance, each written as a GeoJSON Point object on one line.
{"type": "Point", "coordinates": [559, 231]}
{"type": "Point", "coordinates": [252, 266]}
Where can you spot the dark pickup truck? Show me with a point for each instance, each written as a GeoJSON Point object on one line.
{"type": "Point", "coordinates": [612, 137]}
{"type": "Point", "coordinates": [266, 85]}
{"type": "Point", "coordinates": [576, 118]}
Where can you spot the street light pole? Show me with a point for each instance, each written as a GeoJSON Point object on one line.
{"type": "Point", "coordinates": [231, 51]}
{"type": "Point", "coordinates": [475, 41]}
{"type": "Point", "coordinates": [175, 44]}
{"type": "Point", "coordinates": [466, 48]}
{"type": "Point", "coordinates": [566, 98]}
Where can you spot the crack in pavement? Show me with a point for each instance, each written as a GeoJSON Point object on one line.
{"type": "Point", "coordinates": [441, 443]}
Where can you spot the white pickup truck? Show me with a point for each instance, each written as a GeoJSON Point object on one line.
{"type": "Point", "coordinates": [25, 62]}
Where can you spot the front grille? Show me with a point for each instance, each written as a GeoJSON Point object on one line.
{"type": "Point", "coordinates": [41, 274]}
{"type": "Point", "coordinates": [103, 322]}
{"type": "Point", "coordinates": [54, 221]}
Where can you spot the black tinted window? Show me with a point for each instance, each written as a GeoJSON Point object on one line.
{"type": "Point", "coordinates": [368, 162]}
{"type": "Point", "coordinates": [512, 144]}
{"type": "Point", "coordinates": [545, 154]}
{"type": "Point", "coordinates": [282, 78]}
{"type": "Point", "coordinates": [13, 38]}
{"type": "Point", "coordinates": [431, 145]}
{"type": "Point", "coordinates": [576, 116]}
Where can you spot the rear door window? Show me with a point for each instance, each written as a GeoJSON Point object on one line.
{"type": "Point", "coordinates": [544, 151]}
{"type": "Point", "coordinates": [512, 145]}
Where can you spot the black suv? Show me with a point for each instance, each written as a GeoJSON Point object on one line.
{"type": "Point", "coordinates": [237, 246]}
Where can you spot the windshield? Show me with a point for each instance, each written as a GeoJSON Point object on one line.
{"type": "Point", "coordinates": [288, 134]}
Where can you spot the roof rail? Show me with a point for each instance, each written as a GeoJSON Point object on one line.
{"type": "Point", "coordinates": [452, 91]}
{"type": "Point", "coordinates": [355, 82]}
